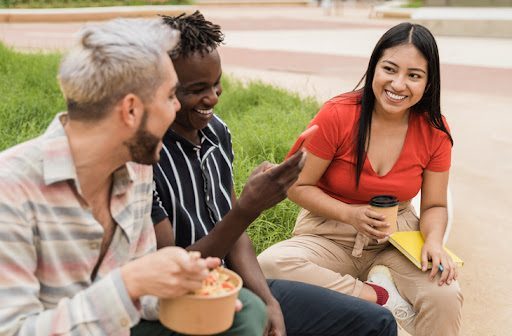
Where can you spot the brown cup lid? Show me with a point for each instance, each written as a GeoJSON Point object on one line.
{"type": "Point", "coordinates": [384, 201]}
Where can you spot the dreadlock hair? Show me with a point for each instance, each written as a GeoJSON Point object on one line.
{"type": "Point", "coordinates": [197, 34]}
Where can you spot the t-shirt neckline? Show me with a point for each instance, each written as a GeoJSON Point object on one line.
{"type": "Point", "coordinates": [407, 135]}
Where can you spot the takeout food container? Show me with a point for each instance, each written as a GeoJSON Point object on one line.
{"type": "Point", "coordinates": [195, 314]}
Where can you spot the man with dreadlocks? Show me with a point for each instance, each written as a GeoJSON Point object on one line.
{"type": "Point", "coordinates": [195, 206]}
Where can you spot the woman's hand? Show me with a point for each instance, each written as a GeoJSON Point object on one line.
{"type": "Point", "coordinates": [368, 222]}
{"type": "Point", "coordinates": [435, 252]}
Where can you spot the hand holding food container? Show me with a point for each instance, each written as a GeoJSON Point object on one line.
{"type": "Point", "coordinates": [208, 310]}
{"type": "Point", "coordinates": [167, 273]}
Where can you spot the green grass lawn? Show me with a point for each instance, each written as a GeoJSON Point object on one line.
{"type": "Point", "coordinates": [30, 95]}
{"type": "Point", "coordinates": [264, 122]}
{"type": "Point", "coordinates": [85, 3]}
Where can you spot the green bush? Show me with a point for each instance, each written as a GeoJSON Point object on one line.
{"type": "Point", "coordinates": [264, 122]}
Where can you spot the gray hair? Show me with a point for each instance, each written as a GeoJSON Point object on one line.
{"type": "Point", "coordinates": [111, 60]}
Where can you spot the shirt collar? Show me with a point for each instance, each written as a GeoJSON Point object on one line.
{"type": "Point", "coordinates": [208, 138]}
{"type": "Point", "coordinates": [123, 179]}
{"type": "Point", "coordinates": [58, 164]}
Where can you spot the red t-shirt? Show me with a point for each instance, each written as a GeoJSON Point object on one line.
{"type": "Point", "coordinates": [425, 147]}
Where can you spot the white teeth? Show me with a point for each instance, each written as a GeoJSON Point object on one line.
{"type": "Point", "coordinates": [205, 112]}
{"type": "Point", "coordinates": [395, 96]}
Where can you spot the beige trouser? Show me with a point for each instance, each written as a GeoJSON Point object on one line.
{"type": "Point", "coordinates": [322, 252]}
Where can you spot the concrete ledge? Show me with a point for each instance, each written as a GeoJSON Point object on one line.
{"type": "Point", "coordinates": [253, 2]}
{"type": "Point", "coordinates": [392, 10]}
{"type": "Point", "coordinates": [472, 21]}
{"type": "Point", "coordinates": [88, 13]}
{"type": "Point", "coordinates": [453, 21]}
{"type": "Point", "coordinates": [464, 13]}
{"type": "Point", "coordinates": [471, 28]}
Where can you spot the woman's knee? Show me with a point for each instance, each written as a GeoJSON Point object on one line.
{"type": "Point", "coordinates": [276, 261]}
{"type": "Point", "coordinates": [446, 299]}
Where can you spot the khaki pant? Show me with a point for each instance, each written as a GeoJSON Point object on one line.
{"type": "Point", "coordinates": [325, 253]}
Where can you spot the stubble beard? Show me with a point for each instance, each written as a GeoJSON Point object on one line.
{"type": "Point", "coordinates": [143, 145]}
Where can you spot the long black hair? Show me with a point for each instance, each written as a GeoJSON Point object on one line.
{"type": "Point", "coordinates": [430, 103]}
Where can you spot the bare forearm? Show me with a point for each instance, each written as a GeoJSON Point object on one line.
{"type": "Point", "coordinates": [164, 234]}
{"type": "Point", "coordinates": [242, 260]}
{"type": "Point", "coordinates": [221, 239]}
{"type": "Point", "coordinates": [315, 200]}
{"type": "Point", "coordinates": [433, 223]}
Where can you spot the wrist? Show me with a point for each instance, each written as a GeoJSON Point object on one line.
{"type": "Point", "coordinates": [245, 211]}
{"type": "Point", "coordinates": [346, 214]}
{"type": "Point", "coordinates": [272, 302]}
{"type": "Point", "coordinates": [130, 282]}
{"type": "Point", "coordinates": [433, 242]}
{"type": "Point", "coordinates": [433, 238]}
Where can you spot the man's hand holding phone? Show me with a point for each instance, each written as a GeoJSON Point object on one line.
{"type": "Point", "coordinates": [269, 182]}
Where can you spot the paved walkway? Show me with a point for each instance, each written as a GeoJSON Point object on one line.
{"type": "Point", "coordinates": [304, 50]}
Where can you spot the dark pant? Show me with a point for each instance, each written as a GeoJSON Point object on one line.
{"type": "Point", "coordinates": [250, 321]}
{"type": "Point", "coordinates": [308, 311]}
{"type": "Point", "coordinates": [316, 311]}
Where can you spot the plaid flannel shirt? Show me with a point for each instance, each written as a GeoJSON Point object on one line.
{"type": "Point", "coordinates": [50, 244]}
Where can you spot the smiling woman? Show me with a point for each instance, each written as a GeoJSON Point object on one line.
{"type": "Point", "coordinates": [400, 80]}
{"type": "Point", "coordinates": [398, 84]}
{"type": "Point", "coordinates": [388, 138]}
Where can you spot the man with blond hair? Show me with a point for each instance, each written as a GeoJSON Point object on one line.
{"type": "Point", "coordinates": [77, 244]}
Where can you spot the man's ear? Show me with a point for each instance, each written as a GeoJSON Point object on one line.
{"type": "Point", "coordinates": [131, 110]}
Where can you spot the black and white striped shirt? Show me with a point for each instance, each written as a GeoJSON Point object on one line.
{"type": "Point", "coordinates": [193, 183]}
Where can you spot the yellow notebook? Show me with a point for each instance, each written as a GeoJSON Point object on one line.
{"type": "Point", "coordinates": [410, 244]}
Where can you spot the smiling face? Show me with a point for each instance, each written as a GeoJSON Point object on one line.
{"type": "Point", "coordinates": [198, 92]}
{"type": "Point", "coordinates": [400, 79]}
